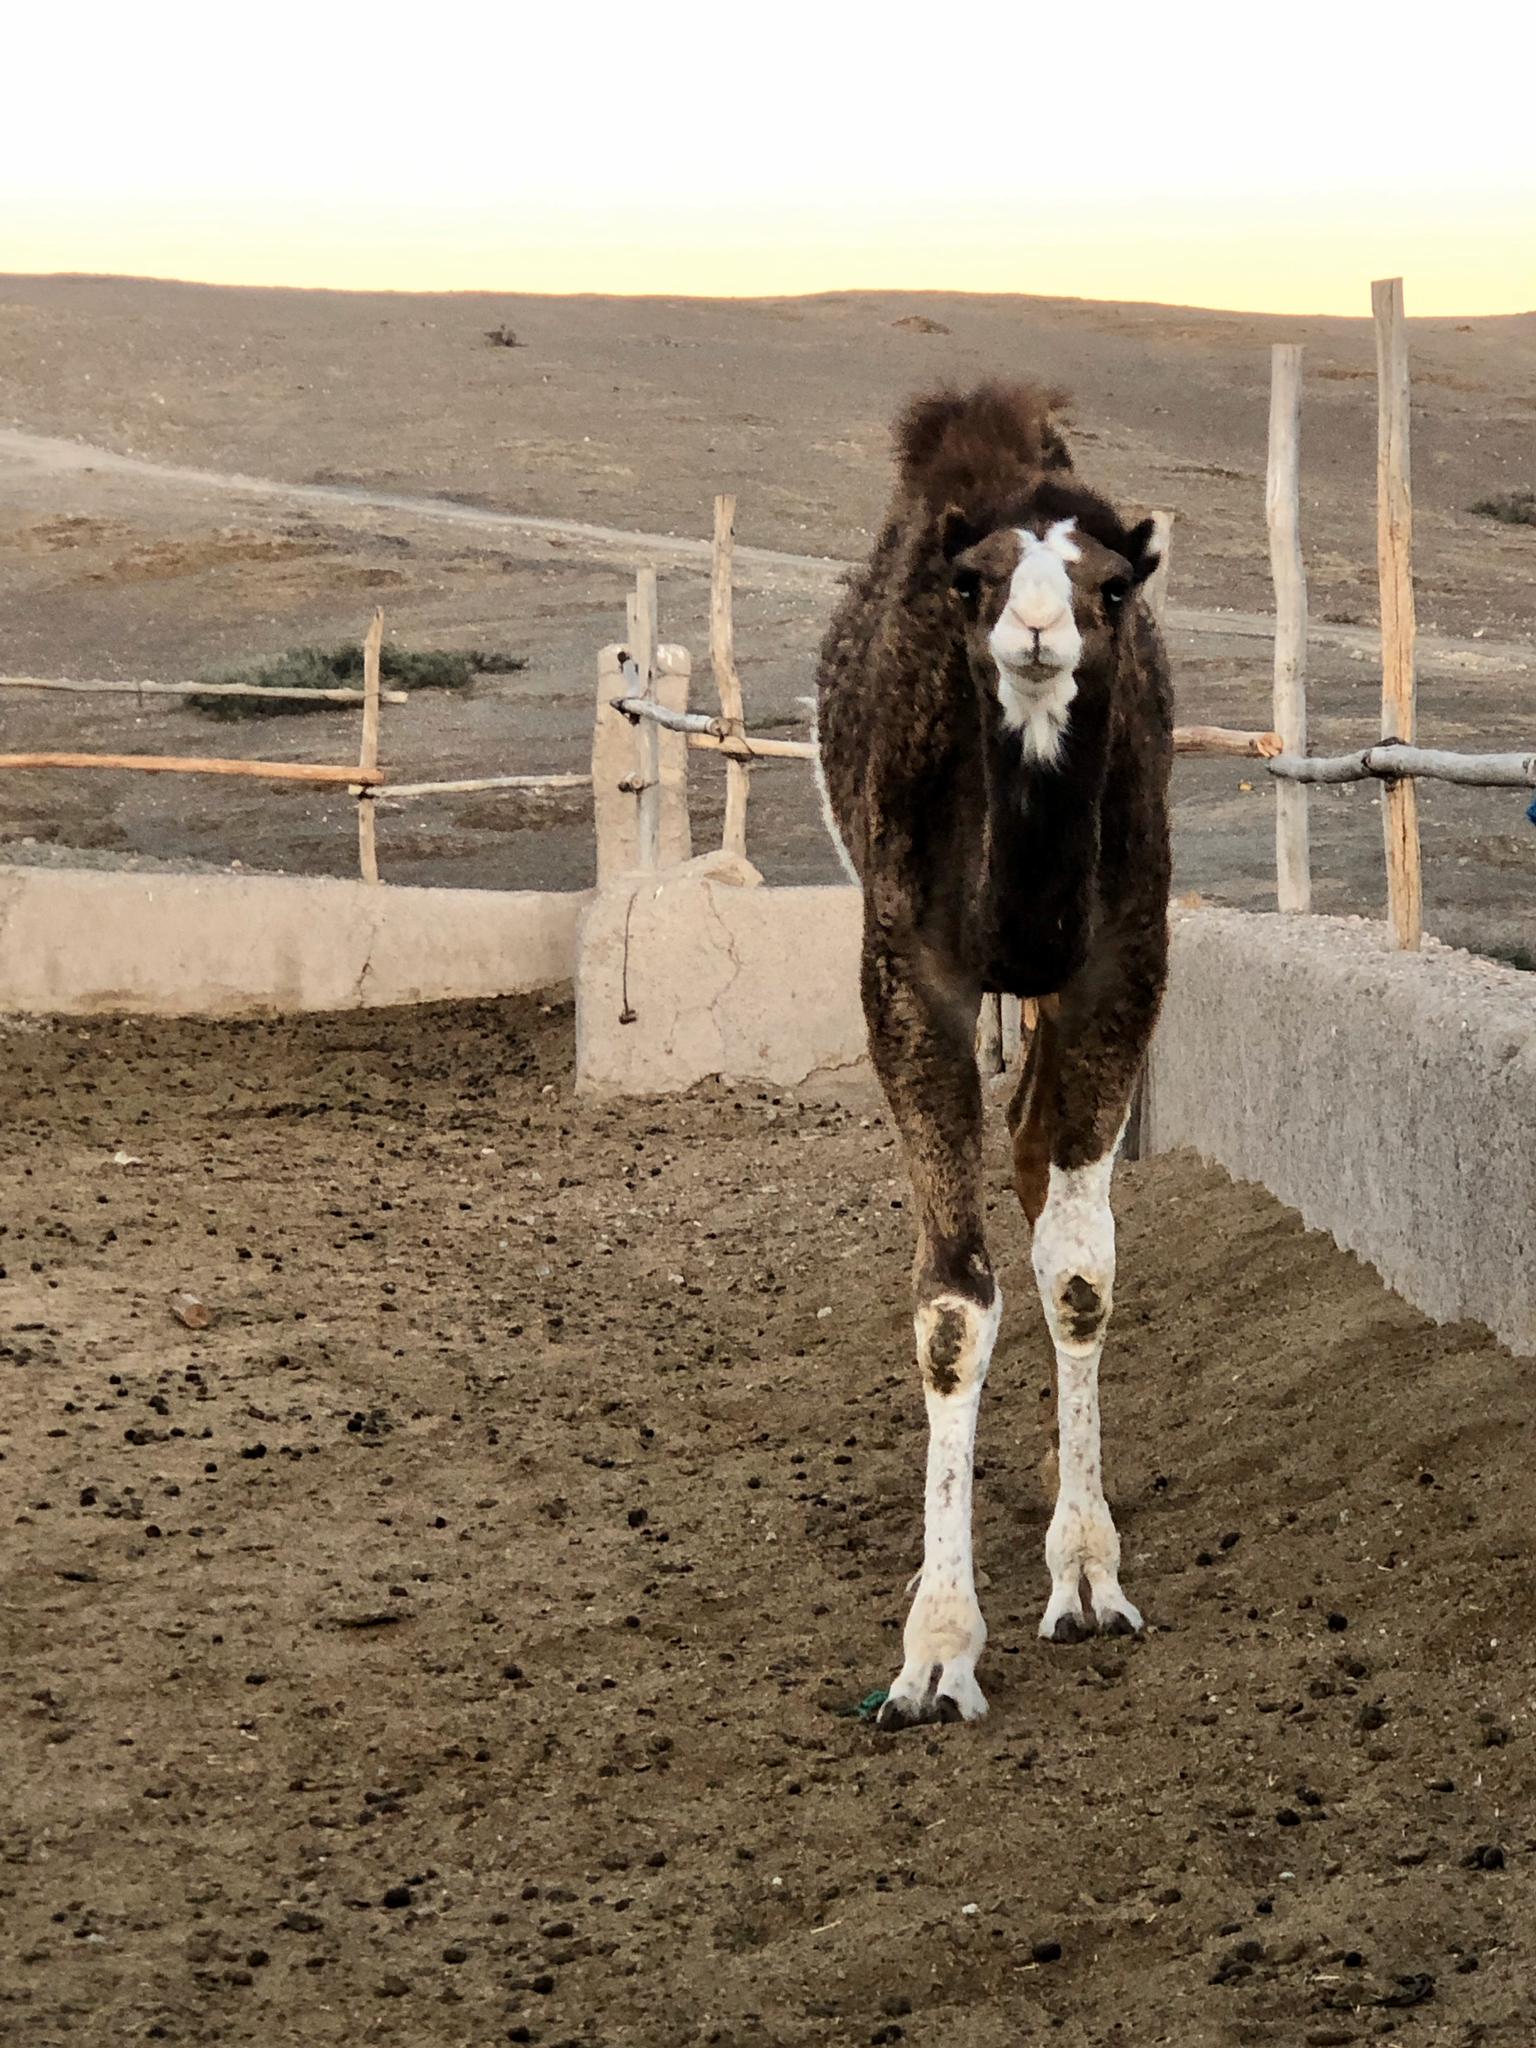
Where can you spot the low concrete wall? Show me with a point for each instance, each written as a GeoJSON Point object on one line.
{"type": "Point", "coordinates": [78, 943]}
{"type": "Point", "coordinates": [1389, 1097]}
{"type": "Point", "coordinates": [698, 970]}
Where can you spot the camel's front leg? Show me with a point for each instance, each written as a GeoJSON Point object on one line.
{"type": "Point", "coordinates": [1074, 1260]}
{"type": "Point", "coordinates": [922, 1026]}
{"type": "Point", "coordinates": [945, 1633]}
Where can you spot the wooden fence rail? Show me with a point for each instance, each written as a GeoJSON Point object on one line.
{"type": "Point", "coordinates": [705, 731]}
{"type": "Point", "coordinates": [181, 764]}
{"type": "Point", "coordinates": [278, 693]}
{"type": "Point", "coordinates": [538, 785]}
{"type": "Point", "coordinates": [702, 730]}
{"type": "Point", "coordinates": [1388, 762]}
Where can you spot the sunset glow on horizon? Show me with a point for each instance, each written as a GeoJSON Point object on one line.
{"type": "Point", "coordinates": [1208, 163]}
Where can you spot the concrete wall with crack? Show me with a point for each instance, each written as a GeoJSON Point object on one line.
{"type": "Point", "coordinates": [697, 970]}
{"type": "Point", "coordinates": [80, 943]}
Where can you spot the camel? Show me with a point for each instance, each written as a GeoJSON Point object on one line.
{"type": "Point", "coordinates": [996, 732]}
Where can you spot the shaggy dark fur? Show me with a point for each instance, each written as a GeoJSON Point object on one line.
{"type": "Point", "coordinates": [982, 870]}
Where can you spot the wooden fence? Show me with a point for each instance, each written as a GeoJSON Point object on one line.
{"type": "Point", "coordinates": [365, 778]}
{"type": "Point", "coordinates": [1395, 760]}
{"type": "Point", "coordinates": [645, 730]}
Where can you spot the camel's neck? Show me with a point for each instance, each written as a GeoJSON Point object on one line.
{"type": "Point", "coordinates": [1039, 852]}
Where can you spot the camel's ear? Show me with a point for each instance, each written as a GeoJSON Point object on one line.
{"type": "Point", "coordinates": [957, 532]}
{"type": "Point", "coordinates": [1139, 551]}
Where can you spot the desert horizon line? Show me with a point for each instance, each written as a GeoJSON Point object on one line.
{"type": "Point", "coordinates": [831, 292]}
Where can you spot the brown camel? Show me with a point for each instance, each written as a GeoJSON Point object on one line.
{"type": "Point", "coordinates": [995, 722]}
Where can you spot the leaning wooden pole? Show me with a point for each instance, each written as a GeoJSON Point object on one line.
{"type": "Point", "coordinates": [722, 654]}
{"type": "Point", "coordinates": [1394, 560]}
{"type": "Point", "coordinates": [1282, 507]}
{"type": "Point", "coordinates": [368, 756]}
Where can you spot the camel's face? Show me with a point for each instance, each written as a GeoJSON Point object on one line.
{"type": "Point", "coordinates": [1040, 608]}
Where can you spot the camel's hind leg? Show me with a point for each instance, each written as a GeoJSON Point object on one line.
{"type": "Point", "coordinates": [922, 1025]}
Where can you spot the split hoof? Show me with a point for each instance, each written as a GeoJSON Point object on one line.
{"type": "Point", "coordinates": [948, 1696]}
{"type": "Point", "coordinates": [1069, 1628]}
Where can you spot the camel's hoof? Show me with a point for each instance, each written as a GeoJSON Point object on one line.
{"type": "Point", "coordinates": [1071, 1628]}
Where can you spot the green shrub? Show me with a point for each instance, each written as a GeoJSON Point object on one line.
{"type": "Point", "coordinates": [315, 668]}
{"type": "Point", "coordinates": [1515, 508]}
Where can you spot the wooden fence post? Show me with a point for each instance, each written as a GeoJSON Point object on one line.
{"type": "Point", "coordinates": [619, 761]}
{"type": "Point", "coordinates": [1155, 589]}
{"type": "Point", "coordinates": [674, 676]}
{"type": "Point", "coordinates": [1282, 507]}
{"type": "Point", "coordinates": [615, 769]}
{"type": "Point", "coordinates": [722, 654]}
{"type": "Point", "coordinates": [641, 609]}
{"type": "Point", "coordinates": [989, 1037]}
{"type": "Point", "coordinates": [368, 757]}
{"type": "Point", "coordinates": [1394, 560]}
{"type": "Point", "coordinates": [1013, 1033]}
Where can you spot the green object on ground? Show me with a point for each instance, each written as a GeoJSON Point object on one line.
{"type": "Point", "coordinates": [866, 1708]}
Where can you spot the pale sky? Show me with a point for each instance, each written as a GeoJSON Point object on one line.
{"type": "Point", "coordinates": [1220, 155]}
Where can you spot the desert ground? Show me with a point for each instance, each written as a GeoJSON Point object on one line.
{"type": "Point", "coordinates": [416, 445]}
{"type": "Point", "coordinates": [457, 1632]}
{"type": "Point", "coordinates": [459, 1639]}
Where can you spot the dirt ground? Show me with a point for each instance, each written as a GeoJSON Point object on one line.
{"type": "Point", "coordinates": [631, 414]}
{"type": "Point", "coordinates": [455, 1641]}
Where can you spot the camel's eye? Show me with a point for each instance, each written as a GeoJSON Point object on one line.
{"type": "Point", "coordinates": [966, 584]}
{"type": "Point", "coordinates": [1115, 592]}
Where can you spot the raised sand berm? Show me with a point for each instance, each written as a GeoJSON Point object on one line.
{"type": "Point", "coordinates": [80, 943]}
{"type": "Point", "coordinates": [1389, 1097]}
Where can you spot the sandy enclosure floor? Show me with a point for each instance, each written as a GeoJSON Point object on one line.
{"type": "Point", "coordinates": [453, 1642]}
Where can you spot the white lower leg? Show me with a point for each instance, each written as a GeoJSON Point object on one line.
{"type": "Point", "coordinates": [945, 1632]}
{"type": "Point", "coordinates": [1074, 1259]}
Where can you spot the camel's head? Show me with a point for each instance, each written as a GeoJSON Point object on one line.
{"type": "Point", "coordinates": [1043, 603]}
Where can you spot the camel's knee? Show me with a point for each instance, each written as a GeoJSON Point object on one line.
{"type": "Point", "coordinates": [1083, 1306]}
{"type": "Point", "coordinates": [1074, 1255]}
{"type": "Point", "coordinates": [955, 1336]}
